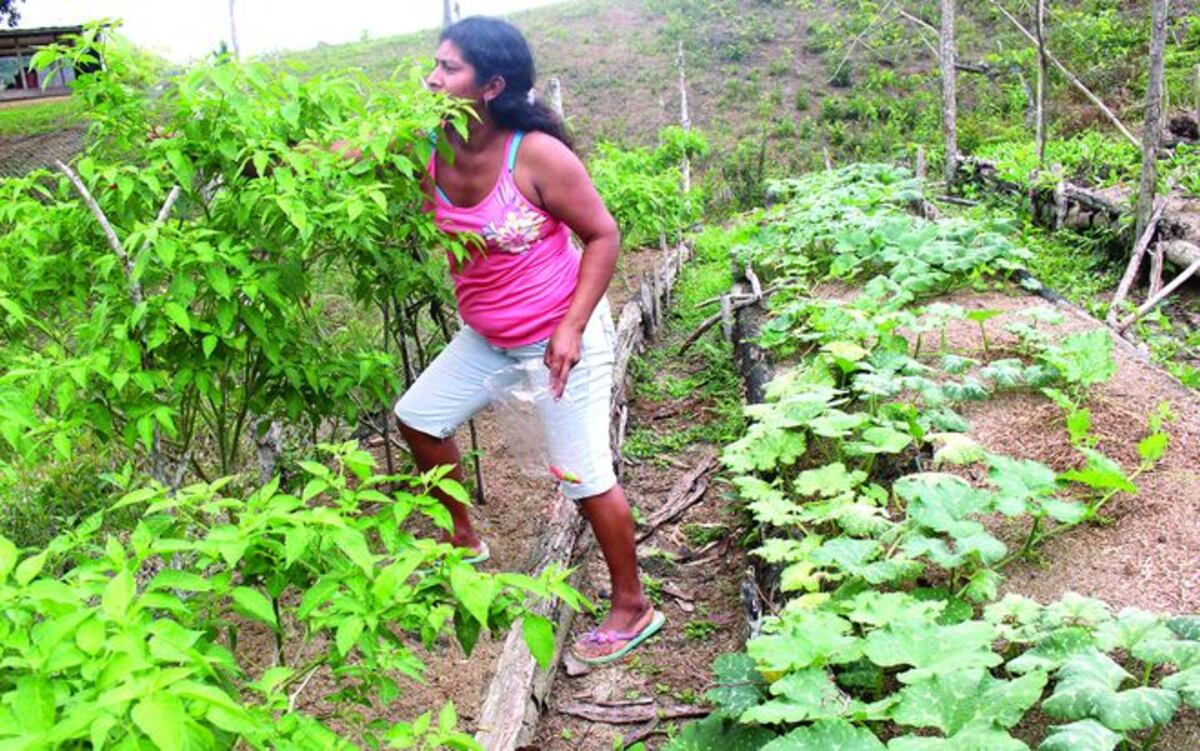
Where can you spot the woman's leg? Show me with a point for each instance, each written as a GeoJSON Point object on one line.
{"type": "Point", "coordinates": [446, 394]}
{"type": "Point", "coordinates": [429, 452]}
{"type": "Point", "coordinates": [608, 513]}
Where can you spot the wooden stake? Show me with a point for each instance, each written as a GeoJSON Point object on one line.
{"type": "Point", "coordinates": [919, 166]}
{"type": "Point", "coordinates": [1070, 76]}
{"type": "Point", "coordinates": [554, 91]}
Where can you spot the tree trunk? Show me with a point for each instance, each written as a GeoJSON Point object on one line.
{"type": "Point", "coordinates": [1041, 84]}
{"type": "Point", "coordinates": [946, 51]}
{"type": "Point", "coordinates": [233, 33]}
{"type": "Point", "coordinates": [447, 13]}
{"type": "Point", "coordinates": [1151, 132]}
{"type": "Point", "coordinates": [685, 121]}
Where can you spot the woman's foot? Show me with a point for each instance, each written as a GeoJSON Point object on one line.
{"type": "Point", "coordinates": [469, 541]}
{"type": "Point", "coordinates": [622, 631]}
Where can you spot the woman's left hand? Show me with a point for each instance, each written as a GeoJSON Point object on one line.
{"type": "Point", "coordinates": [562, 352]}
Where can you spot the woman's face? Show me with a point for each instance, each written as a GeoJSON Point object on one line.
{"type": "Point", "coordinates": [453, 75]}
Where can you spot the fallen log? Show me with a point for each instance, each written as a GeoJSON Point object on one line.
{"type": "Point", "coordinates": [517, 694]}
{"type": "Point", "coordinates": [1084, 207]}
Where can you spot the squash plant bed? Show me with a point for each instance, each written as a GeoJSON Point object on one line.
{"type": "Point", "coordinates": [893, 499]}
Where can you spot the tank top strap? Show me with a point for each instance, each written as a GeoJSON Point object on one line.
{"type": "Point", "coordinates": [514, 143]}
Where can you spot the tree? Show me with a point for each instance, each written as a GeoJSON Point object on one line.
{"type": "Point", "coordinates": [447, 13]}
{"type": "Point", "coordinates": [949, 92]}
{"type": "Point", "coordinates": [1151, 128]}
{"type": "Point", "coordinates": [9, 13]}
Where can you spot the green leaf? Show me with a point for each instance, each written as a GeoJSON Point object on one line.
{"type": "Point", "coordinates": [881, 440]}
{"type": "Point", "coordinates": [1088, 686]}
{"type": "Point", "coordinates": [163, 719]}
{"type": "Point", "coordinates": [826, 735]}
{"type": "Point", "coordinates": [737, 684]}
{"type": "Point", "coordinates": [956, 448]}
{"type": "Point", "coordinates": [33, 702]}
{"type": "Point", "coordinates": [474, 590]}
{"type": "Point", "coordinates": [943, 502]}
{"type": "Point", "coordinates": [1053, 650]}
{"type": "Point", "coordinates": [952, 701]}
{"type": "Point", "coordinates": [1085, 735]}
{"type": "Point", "coordinates": [254, 604]}
{"type": "Point", "coordinates": [717, 732]}
{"type": "Point", "coordinates": [179, 316]}
{"type": "Point", "coordinates": [1152, 447]}
{"type": "Point", "coordinates": [974, 738]}
{"type": "Point", "coordinates": [295, 542]}
{"type": "Point", "coordinates": [802, 696]}
{"type": "Point", "coordinates": [1085, 358]}
{"type": "Point", "coordinates": [1101, 473]}
{"type": "Point", "coordinates": [539, 637]}
{"type": "Point", "coordinates": [1187, 684]}
{"type": "Point", "coordinates": [828, 481]}
{"type": "Point", "coordinates": [118, 595]}
{"type": "Point", "coordinates": [8, 557]}
{"type": "Point", "coordinates": [807, 638]}
{"type": "Point", "coordinates": [31, 567]}
{"type": "Point", "coordinates": [348, 632]}
{"type": "Point", "coordinates": [933, 649]}
{"type": "Point", "coordinates": [763, 448]}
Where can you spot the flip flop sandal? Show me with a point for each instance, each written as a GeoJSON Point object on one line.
{"type": "Point", "coordinates": [632, 640]}
{"type": "Point", "coordinates": [483, 555]}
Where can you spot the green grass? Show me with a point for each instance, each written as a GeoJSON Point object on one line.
{"type": "Point", "coordinates": [706, 369]}
{"type": "Point", "coordinates": [35, 118]}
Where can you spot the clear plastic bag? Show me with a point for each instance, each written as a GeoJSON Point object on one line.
{"type": "Point", "coordinates": [519, 394]}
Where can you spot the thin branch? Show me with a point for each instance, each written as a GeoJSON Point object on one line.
{"type": "Point", "coordinates": [1162, 295]}
{"type": "Point", "coordinates": [855, 42]}
{"type": "Point", "coordinates": [1071, 77]}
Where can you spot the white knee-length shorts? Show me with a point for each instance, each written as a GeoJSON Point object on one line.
{"type": "Point", "coordinates": [456, 385]}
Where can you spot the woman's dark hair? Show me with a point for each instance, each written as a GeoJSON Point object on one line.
{"type": "Point", "coordinates": [497, 48]}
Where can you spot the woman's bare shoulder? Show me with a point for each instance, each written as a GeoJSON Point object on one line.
{"type": "Point", "coordinates": [545, 149]}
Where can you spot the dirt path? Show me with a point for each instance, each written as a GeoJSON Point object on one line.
{"type": "Point", "coordinates": [693, 569]}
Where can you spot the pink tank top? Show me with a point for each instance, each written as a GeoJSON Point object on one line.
{"type": "Point", "coordinates": [517, 289]}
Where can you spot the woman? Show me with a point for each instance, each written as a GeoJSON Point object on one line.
{"type": "Point", "coordinates": [529, 295]}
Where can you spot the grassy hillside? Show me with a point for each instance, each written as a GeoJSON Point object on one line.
{"type": "Point", "coordinates": [777, 83]}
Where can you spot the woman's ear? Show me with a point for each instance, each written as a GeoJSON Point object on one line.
{"type": "Point", "coordinates": [494, 88]}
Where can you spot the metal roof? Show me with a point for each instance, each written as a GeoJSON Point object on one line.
{"type": "Point", "coordinates": [40, 31]}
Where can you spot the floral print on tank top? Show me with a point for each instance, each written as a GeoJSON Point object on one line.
{"type": "Point", "coordinates": [521, 229]}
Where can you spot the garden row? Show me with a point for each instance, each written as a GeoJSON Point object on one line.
{"type": "Point", "coordinates": [885, 529]}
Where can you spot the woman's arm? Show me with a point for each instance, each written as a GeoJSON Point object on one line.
{"type": "Point", "coordinates": [567, 193]}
